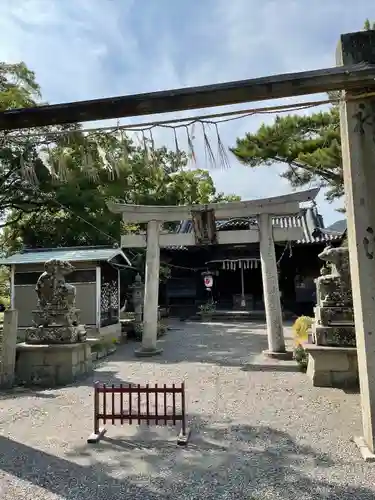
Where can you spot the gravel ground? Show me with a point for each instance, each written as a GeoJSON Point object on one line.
{"type": "Point", "coordinates": [259, 430]}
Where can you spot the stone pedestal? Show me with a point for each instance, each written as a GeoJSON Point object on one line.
{"type": "Point", "coordinates": [333, 355]}
{"type": "Point", "coordinates": [334, 336]}
{"type": "Point", "coordinates": [52, 365]}
{"type": "Point", "coordinates": [332, 366]}
{"type": "Point", "coordinates": [55, 334]}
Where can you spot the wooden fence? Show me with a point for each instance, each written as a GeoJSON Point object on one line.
{"type": "Point", "coordinates": [136, 404]}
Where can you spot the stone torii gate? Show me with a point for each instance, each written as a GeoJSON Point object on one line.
{"type": "Point", "coordinates": [204, 217]}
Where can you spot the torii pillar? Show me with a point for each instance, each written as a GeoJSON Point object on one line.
{"type": "Point", "coordinates": [357, 119]}
{"type": "Point", "coordinates": [151, 294]}
{"type": "Point", "coordinates": [271, 292]}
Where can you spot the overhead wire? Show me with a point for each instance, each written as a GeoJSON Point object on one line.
{"type": "Point", "coordinates": [190, 120]}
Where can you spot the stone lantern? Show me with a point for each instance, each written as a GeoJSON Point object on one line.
{"type": "Point", "coordinates": [138, 296]}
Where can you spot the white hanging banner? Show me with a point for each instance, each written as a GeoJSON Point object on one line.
{"type": "Point", "coordinates": [233, 265]}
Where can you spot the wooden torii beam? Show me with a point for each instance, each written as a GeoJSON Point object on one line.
{"type": "Point", "coordinates": [349, 77]}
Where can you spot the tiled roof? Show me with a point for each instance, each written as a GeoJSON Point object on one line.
{"type": "Point", "coordinates": [309, 219]}
{"type": "Point", "coordinates": [77, 254]}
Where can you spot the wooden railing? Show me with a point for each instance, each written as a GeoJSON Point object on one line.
{"type": "Point", "coordinates": [136, 404]}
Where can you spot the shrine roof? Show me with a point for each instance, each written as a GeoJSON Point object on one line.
{"type": "Point", "coordinates": [308, 219]}
{"type": "Point", "coordinates": [72, 254]}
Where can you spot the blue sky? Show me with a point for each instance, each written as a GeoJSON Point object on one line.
{"type": "Point", "coordinates": [84, 49]}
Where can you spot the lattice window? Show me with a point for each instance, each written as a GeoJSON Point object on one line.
{"type": "Point", "coordinates": [109, 300]}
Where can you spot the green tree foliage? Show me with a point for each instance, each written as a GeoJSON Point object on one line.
{"type": "Point", "coordinates": [18, 89]}
{"type": "Point", "coordinates": [309, 146]}
{"type": "Point", "coordinates": [20, 161]}
{"type": "Point", "coordinates": [4, 286]}
{"type": "Point", "coordinates": [369, 25]}
{"type": "Point", "coordinates": [77, 212]}
{"type": "Point", "coordinates": [57, 195]}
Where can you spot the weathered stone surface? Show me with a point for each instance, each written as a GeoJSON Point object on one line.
{"type": "Point", "coordinates": [332, 292]}
{"type": "Point", "coordinates": [56, 321]}
{"type": "Point", "coordinates": [332, 355]}
{"type": "Point", "coordinates": [335, 336]}
{"type": "Point", "coordinates": [334, 315]}
{"type": "Point", "coordinates": [332, 366]}
{"type": "Point", "coordinates": [55, 334]}
{"type": "Point", "coordinates": [52, 365]}
{"type": "Point", "coordinates": [8, 341]}
{"type": "Point", "coordinates": [338, 259]}
{"type": "Point", "coordinates": [334, 286]}
{"type": "Point", "coordinates": [138, 290]}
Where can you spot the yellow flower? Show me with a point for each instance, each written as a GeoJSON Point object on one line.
{"type": "Point", "coordinates": [301, 329]}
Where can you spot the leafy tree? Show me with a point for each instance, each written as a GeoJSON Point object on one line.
{"type": "Point", "coordinates": [76, 211]}
{"type": "Point", "coordinates": [56, 195]}
{"type": "Point", "coordinates": [20, 160]}
{"type": "Point", "coordinates": [18, 89]}
{"type": "Point", "coordinates": [308, 146]}
{"type": "Point", "coordinates": [369, 25]}
{"type": "Point", "coordinates": [4, 287]}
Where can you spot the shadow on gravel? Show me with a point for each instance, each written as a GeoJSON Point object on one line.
{"type": "Point", "coordinates": [220, 462]}
{"type": "Point", "coordinates": [19, 392]}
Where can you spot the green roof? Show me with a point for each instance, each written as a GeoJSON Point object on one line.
{"type": "Point", "coordinates": [77, 254]}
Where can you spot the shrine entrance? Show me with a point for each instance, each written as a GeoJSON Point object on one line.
{"type": "Point", "coordinates": [265, 232]}
{"type": "Point", "coordinates": [238, 284]}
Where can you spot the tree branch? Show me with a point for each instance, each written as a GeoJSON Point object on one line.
{"type": "Point", "coordinates": [12, 222]}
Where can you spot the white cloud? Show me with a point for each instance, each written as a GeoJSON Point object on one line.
{"type": "Point", "coordinates": [82, 49]}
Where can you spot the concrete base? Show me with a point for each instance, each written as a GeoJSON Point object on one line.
{"type": "Point", "coordinates": [332, 366]}
{"type": "Point", "coordinates": [52, 365]}
{"type": "Point", "coordinates": [183, 439]}
{"type": "Point", "coordinates": [285, 355]}
{"type": "Point", "coordinates": [367, 455]}
{"type": "Point", "coordinates": [147, 353]}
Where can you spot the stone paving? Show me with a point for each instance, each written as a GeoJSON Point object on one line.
{"type": "Point", "coordinates": [259, 430]}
